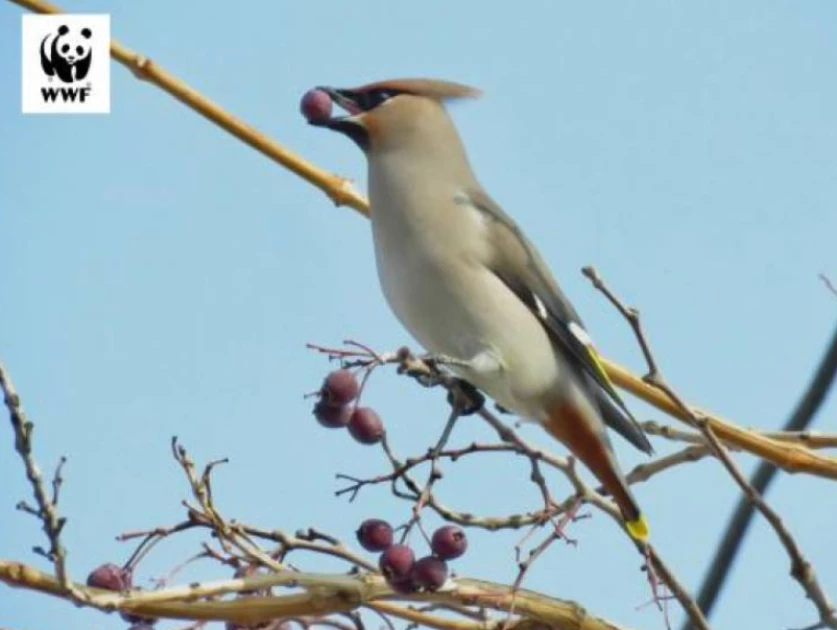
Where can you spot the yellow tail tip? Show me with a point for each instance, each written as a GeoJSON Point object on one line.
{"type": "Point", "coordinates": [638, 528]}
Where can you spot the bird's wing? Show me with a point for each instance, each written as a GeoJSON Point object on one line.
{"type": "Point", "coordinates": [517, 263]}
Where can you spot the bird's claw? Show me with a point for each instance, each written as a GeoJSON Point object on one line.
{"type": "Point", "coordinates": [465, 398]}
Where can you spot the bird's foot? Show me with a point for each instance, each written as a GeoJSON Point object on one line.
{"type": "Point", "coordinates": [465, 398]}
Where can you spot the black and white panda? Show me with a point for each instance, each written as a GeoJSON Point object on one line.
{"type": "Point", "coordinates": [64, 51]}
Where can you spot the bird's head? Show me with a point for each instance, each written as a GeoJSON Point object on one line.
{"type": "Point", "coordinates": [384, 114]}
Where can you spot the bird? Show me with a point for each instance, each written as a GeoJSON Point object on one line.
{"type": "Point", "coordinates": [467, 283]}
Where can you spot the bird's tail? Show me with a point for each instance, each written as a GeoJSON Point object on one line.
{"type": "Point", "coordinates": [587, 440]}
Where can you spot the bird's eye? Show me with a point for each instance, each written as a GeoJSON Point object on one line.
{"type": "Point", "coordinates": [374, 98]}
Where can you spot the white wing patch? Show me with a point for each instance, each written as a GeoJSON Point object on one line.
{"type": "Point", "coordinates": [579, 333]}
{"type": "Point", "coordinates": [542, 312]}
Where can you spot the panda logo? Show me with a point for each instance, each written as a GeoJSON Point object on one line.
{"type": "Point", "coordinates": [66, 54]}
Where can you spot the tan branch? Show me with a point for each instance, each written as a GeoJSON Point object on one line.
{"type": "Point", "coordinates": [431, 621]}
{"type": "Point", "coordinates": [811, 439]}
{"type": "Point", "coordinates": [644, 472]}
{"type": "Point", "coordinates": [325, 594]}
{"type": "Point", "coordinates": [786, 455]}
{"type": "Point", "coordinates": [339, 189]}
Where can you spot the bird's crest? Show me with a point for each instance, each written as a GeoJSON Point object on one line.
{"type": "Point", "coordinates": [430, 88]}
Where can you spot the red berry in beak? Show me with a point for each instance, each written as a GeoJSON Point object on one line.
{"type": "Point", "coordinates": [316, 106]}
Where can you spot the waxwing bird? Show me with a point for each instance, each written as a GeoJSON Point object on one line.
{"type": "Point", "coordinates": [467, 283]}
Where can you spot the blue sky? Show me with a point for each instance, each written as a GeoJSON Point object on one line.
{"type": "Point", "coordinates": [160, 278]}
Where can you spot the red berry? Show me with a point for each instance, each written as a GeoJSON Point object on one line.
{"type": "Point", "coordinates": [405, 587]}
{"type": "Point", "coordinates": [138, 621]}
{"type": "Point", "coordinates": [331, 416]}
{"type": "Point", "coordinates": [109, 577]}
{"type": "Point", "coordinates": [374, 534]}
{"type": "Point", "coordinates": [315, 105]}
{"type": "Point", "coordinates": [246, 571]}
{"type": "Point", "coordinates": [365, 426]}
{"type": "Point", "coordinates": [396, 563]}
{"type": "Point", "coordinates": [449, 542]}
{"type": "Point", "coordinates": [340, 388]}
{"type": "Point", "coordinates": [429, 573]}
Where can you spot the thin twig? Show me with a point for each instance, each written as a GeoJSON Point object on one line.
{"type": "Point", "coordinates": [801, 569]}
{"type": "Point", "coordinates": [201, 490]}
{"type": "Point", "coordinates": [644, 472]}
{"type": "Point", "coordinates": [739, 523]}
{"type": "Point", "coordinates": [46, 510]}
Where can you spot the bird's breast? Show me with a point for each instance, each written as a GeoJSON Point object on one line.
{"type": "Point", "coordinates": [431, 255]}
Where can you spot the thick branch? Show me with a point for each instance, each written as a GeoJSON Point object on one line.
{"type": "Point", "coordinates": [324, 594]}
{"type": "Point", "coordinates": [790, 457]}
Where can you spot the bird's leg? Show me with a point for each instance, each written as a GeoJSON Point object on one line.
{"type": "Point", "coordinates": [437, 360]}
{"type": "Point", "coordinates": [465, 398]}
{"type": "Point", "coordinates": [486, 362]}
{"type": "Point", "coordinates": [466, 395]}
{"type": "Point", "coordinates": [426, 369]}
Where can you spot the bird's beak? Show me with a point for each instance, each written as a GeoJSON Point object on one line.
{"type": "Point", "coordinates": [346, 100]}
{"type": "Point", "coordinates": [350, 124]}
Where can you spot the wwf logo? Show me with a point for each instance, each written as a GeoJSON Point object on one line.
{"type": "Point", "coordinates": [65, 65]}
{"type": "Point", "coordinates": [67, 53]}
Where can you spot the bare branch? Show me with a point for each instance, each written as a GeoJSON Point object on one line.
{"type": "Point", "coordinates": [811, 439]}
{"type": "Point", "coordinates": [801, 569]}
{"type": "Point", "coordinates": [790, 457]}
{"type": "Point", "coordinates": [327, 594]}
{"type": "Point", "coordinates": [46, 510]}
{"type": "Point", "coordinates": [644, 472]}
{"type": "Point", "coordinates": [731, 542]}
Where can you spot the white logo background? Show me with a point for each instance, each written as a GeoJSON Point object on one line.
{"type": "Point", "coordinates": [45, 94]}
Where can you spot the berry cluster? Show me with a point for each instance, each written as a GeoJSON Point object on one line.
{"type": "Point", "coordinates": [398, 561]}
{"type": "Point", "coordinates": [113, 578]}
{"type": "Point", "coordinates": [334, 409]}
